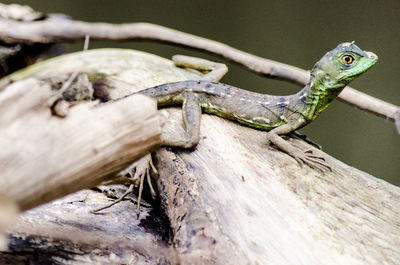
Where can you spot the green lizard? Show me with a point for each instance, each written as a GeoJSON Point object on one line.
{"type": "Point", "coordinates": [276, 114]}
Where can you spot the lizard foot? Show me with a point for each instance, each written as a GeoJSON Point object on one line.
{"type": "Point", "coordinates": [313, 161]}
{"type": "Point", "coordinates": [141, 170]}
{"type": "Point", "coordinates": [215, 71]}
{"type": "Point", "coordinates": [138, 171]}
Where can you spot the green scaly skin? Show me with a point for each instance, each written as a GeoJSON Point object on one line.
{"type": "Point", "coordinates": [276, 114]}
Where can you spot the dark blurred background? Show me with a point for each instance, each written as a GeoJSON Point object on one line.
{"type": "Point", "coordinates": [293, 32]}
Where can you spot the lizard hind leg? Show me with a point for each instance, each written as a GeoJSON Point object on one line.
{"type": "Point", "coordinates": [215, 70]}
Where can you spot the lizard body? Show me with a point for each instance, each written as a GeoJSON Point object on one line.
{"type": "Point", "coordinates": [276, 114]}
{"type": "Point", "coordinates": [249, 108]}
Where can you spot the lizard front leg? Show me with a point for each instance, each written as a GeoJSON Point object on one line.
{"type": "Point", "coordinates": [191, 111]}
{"type": "Point", "coordinates": [302, 157]}
{"type": "Point", "coordinates": [191, 116]}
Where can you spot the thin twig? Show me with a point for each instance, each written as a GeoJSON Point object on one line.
{"type": "Point", "coordinates": [56, 29]}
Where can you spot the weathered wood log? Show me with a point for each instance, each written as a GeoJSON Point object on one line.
{"type": "Point", "coordinates": [66, 232]}
{"type": "Point", "coordinates": [232, 200]}
{"type": "Point", "coordinates": [63, 231]}
{"type": "Point", "coordinates": [237, 200]}
{"type": "Point", "coordinates": [45, 157]}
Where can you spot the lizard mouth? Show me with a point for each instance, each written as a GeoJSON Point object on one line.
{"type": "Point", "coordinates": [372, 55]}
{"type": "Point", "coordinates": [373, 59]}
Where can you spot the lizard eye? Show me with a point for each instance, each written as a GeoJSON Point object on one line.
{"type": "Point", "coordinates": [347, 59]}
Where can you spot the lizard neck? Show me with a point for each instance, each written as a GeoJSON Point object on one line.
{"type": "Point", "coordinates": [319, 92]}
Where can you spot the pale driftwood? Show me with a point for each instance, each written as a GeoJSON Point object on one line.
{"type": "Point", "coordinates": [232, 200]}
{"type": "Point", "coordinates": [237, 200]}
{"type": "Point", "coordinates": [58, 28]}
{"type": "Point", "coordinates": [45, 157]}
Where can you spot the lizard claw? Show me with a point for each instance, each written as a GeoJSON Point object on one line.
{"type": "Point", "coordinates": [138, 171]}
{"type": "Point", "coordinates": [313, 161]}
{"type": "Point", "coordinates": [310, 154]}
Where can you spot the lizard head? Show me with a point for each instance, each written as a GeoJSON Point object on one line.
{"type": "Point", "coordinates": [334, 71]}
{"type": "Point", "coordinates": [340, 66]}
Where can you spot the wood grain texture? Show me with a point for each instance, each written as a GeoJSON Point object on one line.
{"type": "Point", "coordinates": [237, 200]}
